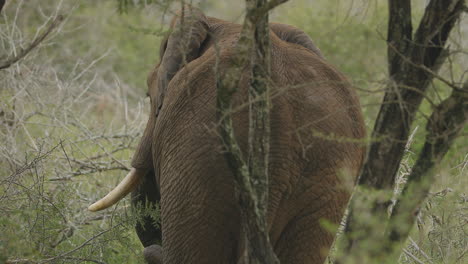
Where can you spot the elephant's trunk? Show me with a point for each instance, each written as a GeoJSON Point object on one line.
{"type": "Point", "coordinates": [125, 187]}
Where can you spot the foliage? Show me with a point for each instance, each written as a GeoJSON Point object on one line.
{"type": "Point", "coordinates": [72, 110]}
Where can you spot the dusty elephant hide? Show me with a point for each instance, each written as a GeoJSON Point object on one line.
{"type": "Point", "coordinates": [316, 123]}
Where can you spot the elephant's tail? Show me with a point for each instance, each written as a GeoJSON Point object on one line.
{"type": "Point", "coordinates": [125, 187]}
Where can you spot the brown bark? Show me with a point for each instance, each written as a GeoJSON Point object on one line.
{"type": "Point", "coordinates": [443, 127]}
{"type": "Point", "coordinates": [400, 36]}
{"type": "Point", "coordinates": [259, 249]}
{"type": "Point", "coordinates": [251, 174]}
{"type": "Point", "coordinates": [412, 63]}
{"type": "Point", "coordinates": [409, 80]}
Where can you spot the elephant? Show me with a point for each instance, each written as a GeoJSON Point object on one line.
{"type": "Point", "coordinates": [316, 147]}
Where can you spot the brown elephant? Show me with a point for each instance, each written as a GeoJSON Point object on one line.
{"type": "Point", "coordinates": [316, 126]}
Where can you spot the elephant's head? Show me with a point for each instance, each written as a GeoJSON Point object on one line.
{"type": "Point", "coordinates": [189, 29]}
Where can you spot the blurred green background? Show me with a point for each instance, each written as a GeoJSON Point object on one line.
{"type": "Point", "coordinates": [73, 109]}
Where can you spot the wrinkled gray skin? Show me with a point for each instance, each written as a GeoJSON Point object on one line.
{"type": "Point", "coordinates": [314, 112]}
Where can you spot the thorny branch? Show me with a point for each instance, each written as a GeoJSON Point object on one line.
{"type": "Point", "coordinates": [33, 162]}
{"type": "Point", "coordinates": [65, 254]}
{"type": "Point", "coordinates": [33, 45]}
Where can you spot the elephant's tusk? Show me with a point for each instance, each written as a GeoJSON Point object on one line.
{"type": "Point", "coordinates": [125, 186]}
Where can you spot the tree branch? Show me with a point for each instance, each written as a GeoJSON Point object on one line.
{"type": "Point", "coordinates": [399, 107]}
{"type": "Point", "coordinates": [443, 127]}
{"type": "Point", "coordinates": [251, 175]}
{"type": "Point", "coordinates": [270, 5]}
{"type": "Point", "coordinates": [395, 119]}
{"type": "Point", "coordinates": [33, 45]}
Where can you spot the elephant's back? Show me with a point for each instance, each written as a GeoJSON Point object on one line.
{"type": "Point", "coordinates": [312, 104]}
{"type": "Point", "coordinates": [325, 106]}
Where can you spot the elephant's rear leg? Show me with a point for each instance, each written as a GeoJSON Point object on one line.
{"type": "Point", "coordinates": [304, 241]}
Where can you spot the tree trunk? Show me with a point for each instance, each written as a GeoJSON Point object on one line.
{"type": "Point", "coordinates": [413, 62]}
{"type": "Point", "coordinates": [443, 127]}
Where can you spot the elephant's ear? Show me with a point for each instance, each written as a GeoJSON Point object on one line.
{"type": "Point", "coordinates": [189, 30]}
{"type": "Point", "coordinates": [294, 35]}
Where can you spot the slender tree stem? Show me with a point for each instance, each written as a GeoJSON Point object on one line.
{"type": "Point", "coordinates": [251, 172]}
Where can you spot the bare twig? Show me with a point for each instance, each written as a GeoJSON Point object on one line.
{"type": "Point", "coordinates": [420, 250]}
{"type": "Point", "coordinates": [412, 256]}
{"type": "Point", "coordinates": [90, 171]}
{"type": "Point", "coordinates": [34, 44]}
{"type": "Point", "coordinates": [80, 246]}
{"type": "Point", "coordinates": [32, 163]}
{"type": "Point", "coordinates": [65, 254]}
